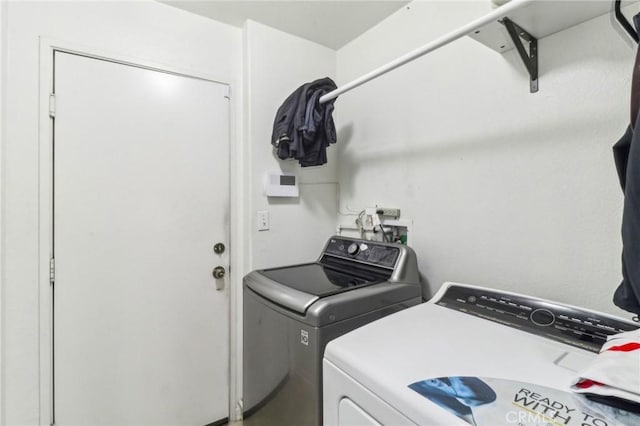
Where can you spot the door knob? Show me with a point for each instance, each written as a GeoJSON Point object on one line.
{"type": "Point", "coordinates": [218, 272]}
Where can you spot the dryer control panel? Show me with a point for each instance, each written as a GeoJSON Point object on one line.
{"type": "Point", "coordinates": [577, 327]}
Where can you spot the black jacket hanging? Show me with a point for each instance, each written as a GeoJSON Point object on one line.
{"type": "Point", "coordinates": [627, 157]}
{"type": "Point", "coordinates": [303, 128]}
{"type": "Point", "coordinates": [627, 154]}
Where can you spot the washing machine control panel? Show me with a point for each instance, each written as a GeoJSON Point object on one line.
{"type": "Point", "coordinates": [568, 324]}
{"type": "Point", "coordinates": [369, 252]}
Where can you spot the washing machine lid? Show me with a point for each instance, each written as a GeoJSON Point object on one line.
{"type": "Point", "coordinates": [318, 279]}
{"type": "Point", "coordinates": [298, 287]}
{"type": "Point", "coordinates": [430, 342]}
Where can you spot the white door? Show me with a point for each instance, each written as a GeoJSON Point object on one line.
{"type": "Point", "coordinates": [140, 198]}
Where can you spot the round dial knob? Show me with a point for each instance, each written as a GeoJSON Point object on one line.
{"type": "Point", "coordinates": [543, 317]}
{"type": "Point", "coordinates": [353, 249]}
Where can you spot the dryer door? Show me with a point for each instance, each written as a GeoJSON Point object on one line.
{"type": "Point", "coordinates": [350, 413]}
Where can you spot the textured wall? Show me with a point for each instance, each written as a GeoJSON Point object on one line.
{"type": "Point", "coordinates": [276, 63]}
{"type": "Point", "coordinates": [506, 189]}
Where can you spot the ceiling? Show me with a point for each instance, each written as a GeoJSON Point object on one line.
{"type": "Point", "coordinates": [332, 23]}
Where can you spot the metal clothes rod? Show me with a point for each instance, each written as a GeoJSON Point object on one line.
{"type": "Point", "coordinates": [495, 15]}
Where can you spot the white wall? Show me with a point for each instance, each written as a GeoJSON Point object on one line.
{"type": "Point", "coordinates": [144, 30]}
{"type": "Point", "coordinates": [506, 188]}
{"type": "Point", "coordinates": [276, 64]}
{"type": "Point", "coordinates": [3, 73]}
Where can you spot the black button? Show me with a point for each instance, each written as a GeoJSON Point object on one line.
{"type": "Point", "coordinates": [542, 317]}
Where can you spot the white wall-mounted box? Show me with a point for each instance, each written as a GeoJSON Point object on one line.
{"type": "Point", "coordinates": [280, 184]}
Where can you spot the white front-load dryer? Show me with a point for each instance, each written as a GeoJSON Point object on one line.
{"type": "Point", "coordinates": [471, 355]}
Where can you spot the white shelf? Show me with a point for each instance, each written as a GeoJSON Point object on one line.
{"type": "Point", "coordinates": [542, 18]}
{"type": "Point", "coordinates": [538, 18]}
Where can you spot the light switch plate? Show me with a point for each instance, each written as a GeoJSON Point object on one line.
{"type": "Point", "coordinates": [263, 220]}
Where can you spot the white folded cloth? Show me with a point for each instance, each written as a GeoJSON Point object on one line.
{"type": "Point", "coordinates": [615, 372]}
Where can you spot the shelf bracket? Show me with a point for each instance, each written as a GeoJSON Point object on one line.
{"type": "Point", "coordinates": [623, 21]}
{"type": "Point", "coordinates": [530, 58]}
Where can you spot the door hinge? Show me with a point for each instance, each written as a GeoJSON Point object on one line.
{"type": "Point", "coordinates": [52, 105]}
{"type": "Point", "coordinates": [52, 270]}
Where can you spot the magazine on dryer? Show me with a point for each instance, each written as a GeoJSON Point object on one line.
{"type": "Point", "coordinates": [484, 401]}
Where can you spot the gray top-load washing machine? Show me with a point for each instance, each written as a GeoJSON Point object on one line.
{"type": "Point", "coordinates": [292, 312]}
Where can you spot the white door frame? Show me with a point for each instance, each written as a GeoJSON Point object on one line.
{"type": "Point", "coordinates": [3, 123]}
{"type": "Point", "coordinates": [45, 212]}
